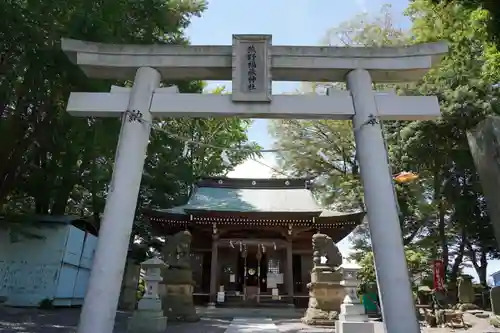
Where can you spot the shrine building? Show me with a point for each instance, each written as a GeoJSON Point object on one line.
{"type": "Point", "coordinates": [252, 238]}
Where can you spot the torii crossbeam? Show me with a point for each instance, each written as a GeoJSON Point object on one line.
{"type": "Point", "coordinates": [252, 63]}
{"type": "Point", "coordinates": [337, 105]}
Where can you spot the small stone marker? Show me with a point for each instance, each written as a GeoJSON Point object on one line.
{"type": "Point", "coordinates": [149, 318]}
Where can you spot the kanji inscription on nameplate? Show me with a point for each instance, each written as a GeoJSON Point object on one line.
{"type": "Point", "coordinates": [252, 68]}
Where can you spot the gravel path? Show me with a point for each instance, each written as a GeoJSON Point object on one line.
{"type": "Point", "coordinates": [479, 325]}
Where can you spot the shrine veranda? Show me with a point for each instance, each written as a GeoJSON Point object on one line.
{"type": "Point", "coordinates": [252, 63]}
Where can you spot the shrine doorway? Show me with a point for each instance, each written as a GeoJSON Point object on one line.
{"type": "Point", "coordinates": [251, 271]}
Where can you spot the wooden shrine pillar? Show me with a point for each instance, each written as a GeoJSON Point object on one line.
{"type": "Point", "coordinates": [289, 269]}
{"type": "Point", "coordinates": [213, 269]}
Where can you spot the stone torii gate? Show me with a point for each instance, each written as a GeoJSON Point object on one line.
{"type": "Point", "coordinates": [252, 63]}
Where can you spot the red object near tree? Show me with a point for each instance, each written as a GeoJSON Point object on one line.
{"type": "Point", "coordinates": [438, 274]}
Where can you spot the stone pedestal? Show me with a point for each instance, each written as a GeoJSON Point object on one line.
{"type": "Point", "coordinates": [147, 322]}
{"type": "Point", "coordinates": [149, 318]}
{"type": "Point", "coordinates": [325, 296]}
{"type": "Point", "coordinates": [466, 295]}
{"type": "Point", "coordinates": [178, 296]}
{"type": "Point", "coordinates": [179, 303]}
{"type": "Point", "coordinates": [359, 327]}
{"type": "Point", "coordinates": [353, 312]}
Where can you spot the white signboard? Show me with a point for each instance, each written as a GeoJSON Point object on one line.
{"type": "Point", "coordinates": [251, 68]}
{"type": "Point", "coordinates": [220, 297]}
{"type": "Point", "coordinates": [271, 283]}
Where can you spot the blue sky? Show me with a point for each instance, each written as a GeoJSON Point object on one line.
{"type": "Point", "coordinates": [291, 22]}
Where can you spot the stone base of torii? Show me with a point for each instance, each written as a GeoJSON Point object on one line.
{"type": "Point", "coordinates": [251, 98]}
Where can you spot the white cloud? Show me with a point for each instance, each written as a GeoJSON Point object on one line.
{"type": "Point", "coordinates": [253, 169]}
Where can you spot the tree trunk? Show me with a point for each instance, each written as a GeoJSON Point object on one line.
{"type": "Point", "coordinates": [481, 270]}
{"type": "Point", "coordinates": [43, 193]}
{"type": "Point", "coordinates": [480, 264]}
{"type": "Point", "coordinates": [455, 268]}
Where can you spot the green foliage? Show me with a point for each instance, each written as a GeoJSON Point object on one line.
{"type": "Point", "coordinates": [300, 141]}
{"type": "Point", "coordinates": [465, 86]}
{"type": "Point", "coordinates": [443, 214]}
{"type": "Point", "coordinates": [367, 30]}
{"type": "Point", "coordinates": [141, 288]}
{"type": "Point", "coordinates": [53, 163]}
{"type": "Point", "coordinates": [417, 261]}
{"type": "Point", "coordinates": [338, 184]}
{"type": "Point", "coordinates": [491, 6]}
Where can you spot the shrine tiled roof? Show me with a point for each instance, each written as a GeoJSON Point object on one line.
{"type": "Point", "coordinates": [260, 203]}
{"type": "Point", "coordinates": [248, 200]}
{"type": "Point", "coordinates": [251, 195]}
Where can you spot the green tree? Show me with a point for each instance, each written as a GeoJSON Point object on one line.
{"type": "Point", "coordinates": [438, 150]}
{"type": "Point", "coordinates": [53, 163]}
{"type": "Point", "coordinates": [38, 135]}
{"type": "Point", "coordinates": [418, 267]}
{"type": "Point", "coordinates": [490, 5]}
{"type": "Point", "coordinates": [338, 184]}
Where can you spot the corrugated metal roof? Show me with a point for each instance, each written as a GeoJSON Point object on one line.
{"type": "Point", "coordinates": [250, 200]}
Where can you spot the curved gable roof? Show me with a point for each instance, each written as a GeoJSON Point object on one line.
{"type": "Point", "coordinates": [250, 195]}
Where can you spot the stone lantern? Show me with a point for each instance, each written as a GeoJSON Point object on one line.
{"type": "Point", "coordinates": [152, 278]}
{"type": "Point", "coordinates": [148, 317]}
{"type": "Point", "coordinates": [352, 317]}
{"type": "Point", "coordinates": [350, 282]}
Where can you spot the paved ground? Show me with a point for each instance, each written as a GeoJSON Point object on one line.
{"type": "Point", "coordinates": [65, 321]}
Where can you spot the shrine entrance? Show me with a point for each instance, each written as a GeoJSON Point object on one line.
{"type": "Point", "coordinates": [252, 62]}
{"type": "Point", "coordinates": [251, 273]}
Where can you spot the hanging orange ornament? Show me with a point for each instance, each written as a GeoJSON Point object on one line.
{"type": "Point", "coordinates": [405, 177]}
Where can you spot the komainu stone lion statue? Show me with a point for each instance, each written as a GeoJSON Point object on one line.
{"type": "Point", "coordinates": [176, 250]}
{"type": "Point", "coordinates": [325, 291]}
{"type": "Point", "coordinates": [178, 281]}
{"type": "Point", "coordinates": [324, 246]}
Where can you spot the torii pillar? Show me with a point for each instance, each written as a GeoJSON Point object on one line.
{"type": "Point", "coordinates": [251, 63]}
